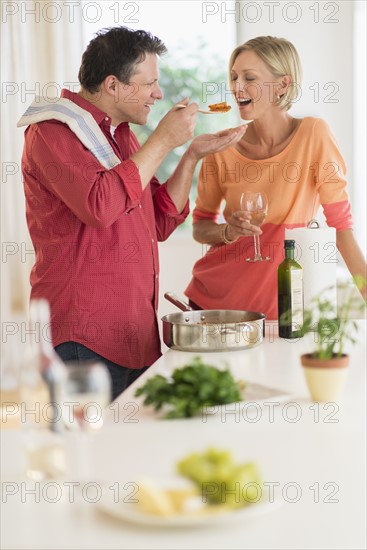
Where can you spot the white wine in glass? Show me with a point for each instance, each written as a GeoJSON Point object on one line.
{"type": "Point", "coordinates": [255, 203]}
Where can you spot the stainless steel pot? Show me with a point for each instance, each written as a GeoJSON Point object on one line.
{"type": "Point", "coordinates": [211, 330]}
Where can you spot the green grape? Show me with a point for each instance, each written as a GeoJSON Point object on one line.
{"type": "Point", "coordinates": [220, 480]}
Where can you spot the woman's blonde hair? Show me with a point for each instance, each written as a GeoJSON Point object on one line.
{"type": "Point", "coordinates": [282, 59]}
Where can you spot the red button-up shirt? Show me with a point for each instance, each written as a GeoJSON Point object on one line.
{"type": "Point", "coordinates": [95, 235]}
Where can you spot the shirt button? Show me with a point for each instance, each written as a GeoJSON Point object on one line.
{"type": "Point", "coordinates": [139, 205]}
{"type": "Point", "coordinates": [152, 240]}
{"type": "Point", "coordinates": [107, 118]}
{"type": "Point", "coordinates": [156, 276]}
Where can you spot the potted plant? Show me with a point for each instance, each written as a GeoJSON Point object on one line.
{"type": "Point", "coordinates": [326, 367]}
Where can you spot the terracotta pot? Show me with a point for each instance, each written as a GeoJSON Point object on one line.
{"type": "Point", "coordinates": [325, 377]}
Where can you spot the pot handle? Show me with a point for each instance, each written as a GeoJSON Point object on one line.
{"type": "Point", "coordinates": [183, 306]}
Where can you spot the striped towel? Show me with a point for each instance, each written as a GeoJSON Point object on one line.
{"type": "Point", "coordinates": [80, 121]}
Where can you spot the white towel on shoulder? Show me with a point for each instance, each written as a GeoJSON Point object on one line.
{"type": "Point", "coordinates": [80, 121]}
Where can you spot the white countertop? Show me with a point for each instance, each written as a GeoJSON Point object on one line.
{"type": "Point", "coordinates": [313, 454]}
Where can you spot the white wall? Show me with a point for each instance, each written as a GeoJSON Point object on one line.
{"type": "Point", "coordinates": [177, 256]}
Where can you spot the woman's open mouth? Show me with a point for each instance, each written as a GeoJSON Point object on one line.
{"type": "Point", "coordinates": [243, 102]}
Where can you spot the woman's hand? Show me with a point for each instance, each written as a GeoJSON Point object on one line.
{"type": "Point", "coordinates": [206, 144]}
{"type": "Point", "coordinates": [239, 225]}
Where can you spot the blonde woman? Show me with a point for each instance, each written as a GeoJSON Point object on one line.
{"type": "Point", "coordinates": [295, 161]}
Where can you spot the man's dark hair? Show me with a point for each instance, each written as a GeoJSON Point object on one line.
{"type": "Point", "coordinates": [116, 51]}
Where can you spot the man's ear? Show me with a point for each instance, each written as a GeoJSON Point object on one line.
{"type": "Point", "coordinates": [110, 85]}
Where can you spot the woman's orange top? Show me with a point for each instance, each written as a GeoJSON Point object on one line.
{"type": "Point", "coordinates": [310, 171]}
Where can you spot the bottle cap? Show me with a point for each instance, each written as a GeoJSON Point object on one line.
{"type": "Point", "coordinates": [289, 243]}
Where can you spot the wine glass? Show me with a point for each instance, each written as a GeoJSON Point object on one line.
{"type": "Point", "coordinates": [87, 393]}
{"type": "Point", "coordinates": [256, 204]}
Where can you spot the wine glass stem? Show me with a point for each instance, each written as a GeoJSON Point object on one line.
{"type": "Point", "coordinates": [257, 247]}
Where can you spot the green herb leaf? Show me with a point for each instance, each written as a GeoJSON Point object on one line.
{"type": "Point", "coordinates": [190, 388]}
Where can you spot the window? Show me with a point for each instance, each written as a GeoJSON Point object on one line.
{"type": "Point", "coordinates": [196, 65]}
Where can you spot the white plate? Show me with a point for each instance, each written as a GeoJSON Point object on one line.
{"type": "Point", "coordinates": [257, 393]}
{"type": "Point", "coordinates": [130, 511]}
{"type": "Point", "coordinates": [253, 396]}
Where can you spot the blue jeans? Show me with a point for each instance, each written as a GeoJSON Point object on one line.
{"type": "Point", "coordinates": [121, 377]}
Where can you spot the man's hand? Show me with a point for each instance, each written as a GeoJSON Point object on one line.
{"type": "Point", "coordinates": [177, 126]}
{"type": "Point", "coordinates": [213, 143]}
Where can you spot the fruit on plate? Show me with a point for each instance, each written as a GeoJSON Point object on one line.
{"type": "Point", "coordinates": [220, 480]}
{"type": "Point", "coordinates": [217, 484]}
{"type": "Point", "coordinates": [159, 501]}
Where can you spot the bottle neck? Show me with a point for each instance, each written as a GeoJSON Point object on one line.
{"type": "Point", "coordinates": [289, 253]}
{"type": "Point", "coordinates": [49, 366]}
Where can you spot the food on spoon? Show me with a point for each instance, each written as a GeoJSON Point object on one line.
{"type": "Point", "coordinates": [190, 388]}
{"type": "Point", "coordinates": [222, 107]}
{"type": "Point", "coordinates": [220, 480]}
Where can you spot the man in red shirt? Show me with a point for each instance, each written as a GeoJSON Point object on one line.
{"type": "Point", "coordinates": [95, 210]}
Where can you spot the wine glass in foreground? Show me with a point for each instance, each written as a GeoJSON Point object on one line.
{"type": "Point", "coordinates": [255, 204]}
{"type": "Point", "coordinates": [87, 393]}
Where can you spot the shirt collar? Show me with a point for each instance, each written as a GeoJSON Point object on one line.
{"type": "Point", "coordinates": [99, 115]}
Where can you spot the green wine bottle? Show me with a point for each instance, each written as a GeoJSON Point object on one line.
{"type": "Point", "coordinates": [290, 294]}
